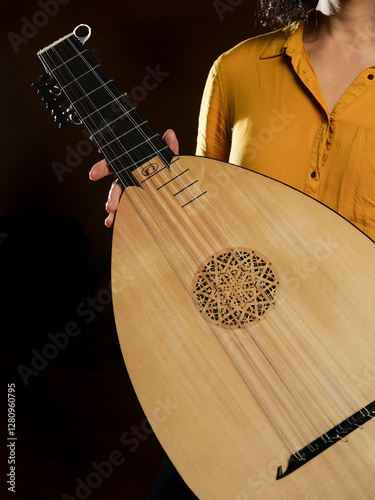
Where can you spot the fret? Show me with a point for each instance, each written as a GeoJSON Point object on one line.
{"type": "Point", "coordinates": [125, 138]}
{"type": "Point", "coordinates": [105, 105]}
{"type": "Point", "coordinates": [69, 60]}
{"type": "Point", "coordinates": [133, 153]}
{"type": "Point", "coordinates": [92, 75]}
{"type": "Point", "coordinates": [73, 103]}
{"type": "Point", "coordinates": [69, 55]}
{"type": "Point", "coordinates": [97, 117]}
{"type": "Point", "coordinates": [141, 161]}
{"type": "Point", "coordinates": [144, 142]}
{"type": "Point", "coordinates": [128, 144]}
{"type": "Point", "coordinates": [126, 133]}
{"type": "Point", "coordinates": [64, 87]}
{"type": "Point", "coordinates": [66, 72]}
{"type": "Point", "coordinates": [136, 164]}
{"type": "Point", "coordinates": [111, 123]}
{"type": "Point", "coordinates": [86, 70]}
{"type": "Point", "coordinates": [130, 151]}
{"type": "Point", "coordinates": [113, 109]}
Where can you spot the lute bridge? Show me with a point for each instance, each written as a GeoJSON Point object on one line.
{"type": "Point", "coordinates": [328, 439]}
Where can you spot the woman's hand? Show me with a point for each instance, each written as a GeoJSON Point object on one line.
{"type": "Point", "coordinates": [101, 169]}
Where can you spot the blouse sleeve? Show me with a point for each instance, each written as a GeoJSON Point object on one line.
{"type": "Point", "coordinates": [213, 132]}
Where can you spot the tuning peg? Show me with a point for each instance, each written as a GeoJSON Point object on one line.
{"type": "Point", "coordinates": [54, 103]}
{"type": "Point", "coordinates": [47, 97]}
{"type": "Point", "coordinates": [64, 125]}
{"type": "Point", "coordinates": [63, 117]}
{"type": "Point", "coordinates": [49, 91]}
{"type": "Point", "coordinates": [40, 80]}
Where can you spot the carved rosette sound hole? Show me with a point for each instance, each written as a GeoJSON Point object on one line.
{"type": "Point", "coordinates": [235, 287]}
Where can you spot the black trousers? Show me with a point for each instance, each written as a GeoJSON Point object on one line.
{"type": "Point", "coordinates": [169, 485]}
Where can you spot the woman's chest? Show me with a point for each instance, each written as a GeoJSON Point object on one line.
{"type": "Point", "coordinates": [338, 68]}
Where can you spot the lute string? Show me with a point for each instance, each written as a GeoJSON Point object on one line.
{"type": "Point", "coordinates": [215, 328]}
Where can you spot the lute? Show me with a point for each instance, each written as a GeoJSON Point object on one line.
{"type": "Point", "coordinates": [244, 308]}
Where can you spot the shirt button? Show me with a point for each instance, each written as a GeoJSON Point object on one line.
{"type": "Point", "coordinates": [313, 175]}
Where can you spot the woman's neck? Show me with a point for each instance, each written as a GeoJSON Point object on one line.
{"type": "Point", "coordinates": [346, 20]}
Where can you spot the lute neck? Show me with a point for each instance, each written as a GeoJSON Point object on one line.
{"type": "Point", "coordinates": [125, 138]}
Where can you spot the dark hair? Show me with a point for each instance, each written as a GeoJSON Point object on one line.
{"type": "Point", "coordinates": [281, 13]}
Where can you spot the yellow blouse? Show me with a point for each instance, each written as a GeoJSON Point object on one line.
{"type": "Point", "coordinates": [263, 109]}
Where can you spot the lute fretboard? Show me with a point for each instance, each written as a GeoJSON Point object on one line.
{"type": "Point", "coordinates": [124, 137]}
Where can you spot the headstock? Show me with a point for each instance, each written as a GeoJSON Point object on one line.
{"type": "Point", "coordinates": [77, 90]}
{"type": "Point", "coordinates": [52, 95]}
{"type": "Point", "coordinates": [55, 101]}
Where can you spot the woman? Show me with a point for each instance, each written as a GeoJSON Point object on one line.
{"type": "Point", "coordinates": [295, 104]}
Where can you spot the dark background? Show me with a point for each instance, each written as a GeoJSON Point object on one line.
{"type": "Point", "coordinates": [72, 409]}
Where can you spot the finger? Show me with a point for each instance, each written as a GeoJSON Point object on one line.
{"type": "Point", "coordinates": [114, 197]}
{"type": "Point", "coordinates": [109, 220]}
{"type": "Point", "coordinates": [170, 139]}
{"type": "Point", "coordinates": [100, 170]}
